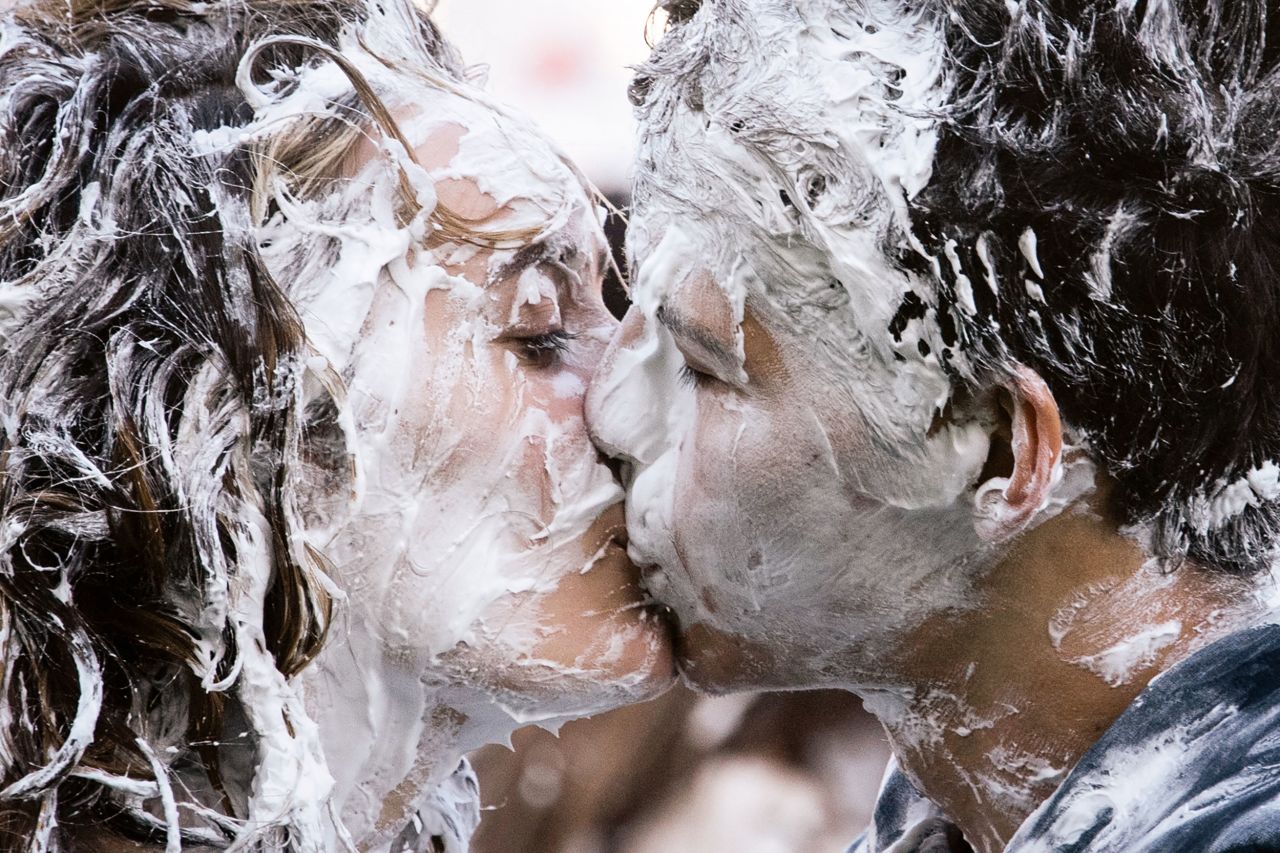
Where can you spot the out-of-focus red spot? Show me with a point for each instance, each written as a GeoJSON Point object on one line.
{"type": "Point", "coordinates": [560, 65]}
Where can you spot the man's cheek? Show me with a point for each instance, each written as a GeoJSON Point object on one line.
{"type": "Point", "coordinates": [708, 529]}
{"type": "Point", "coordinates": [726, 476]}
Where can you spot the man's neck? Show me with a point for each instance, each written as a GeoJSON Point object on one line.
{"type": "Point", "coordinates": [1000, 702]}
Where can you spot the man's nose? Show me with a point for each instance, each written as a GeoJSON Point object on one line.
{"type": "Point", "coordinates": [608, 396]}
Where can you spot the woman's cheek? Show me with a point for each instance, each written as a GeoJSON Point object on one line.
{"type": "Point", "coordinates": [477, 394]}
{"type": "Point", "coordinates": [530, 448]}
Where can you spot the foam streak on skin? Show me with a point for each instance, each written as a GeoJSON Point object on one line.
{"type": "Point", "coordinates": [1119, 664]}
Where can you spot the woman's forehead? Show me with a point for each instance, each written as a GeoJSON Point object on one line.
{"type": "Point", "coordinates": [502, 152]}
{"type": "Point", "coordinates": [483, 159]}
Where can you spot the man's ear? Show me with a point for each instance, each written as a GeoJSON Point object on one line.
{"type": "Point", "coordinates": [1022, 469]}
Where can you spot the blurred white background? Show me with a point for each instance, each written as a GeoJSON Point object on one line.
{"type": "Point", "coordinates": [564, 62]}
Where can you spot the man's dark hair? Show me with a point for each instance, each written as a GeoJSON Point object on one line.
{"type": "Point", "coordinates": [1138, 142]}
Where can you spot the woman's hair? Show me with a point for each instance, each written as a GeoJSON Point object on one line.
{"type": "Point", "coordinates": [153, 585]}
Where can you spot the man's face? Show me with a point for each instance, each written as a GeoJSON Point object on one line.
{"type": "Point", "coordinates": [796, 473]}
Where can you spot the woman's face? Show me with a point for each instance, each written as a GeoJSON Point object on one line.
{"type": "Point", "coordinates": [480, 542]}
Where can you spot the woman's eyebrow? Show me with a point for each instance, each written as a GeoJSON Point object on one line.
{"type": "Point", "coordinates": [549, 251]}
{"type": "Point", "coordinates": [525, 257]}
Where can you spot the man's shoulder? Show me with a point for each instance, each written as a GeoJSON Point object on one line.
{"type": "Point", "coordinates": [1192, 764]}
{"type": "Point", "coordinates": [904, 821]}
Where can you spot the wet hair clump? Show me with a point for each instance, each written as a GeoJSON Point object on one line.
{"type": "Point", "coordinates": [1114, 169]}
{"type": "Point", "coordinates": [151, 415]}
{"type": "Point", "coordinates": [679, 11]}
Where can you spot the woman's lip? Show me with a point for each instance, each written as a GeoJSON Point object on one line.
{"type": "Point", "coordinates": [642, 572]}
{"type": "Point", "coordinates": [614, 523]}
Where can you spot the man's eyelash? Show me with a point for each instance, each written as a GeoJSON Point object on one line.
{"type": "Point", "coordinates": [691, 378]}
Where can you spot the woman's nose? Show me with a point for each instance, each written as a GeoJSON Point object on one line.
{"type": "Point", "coordinates": [609, 397]}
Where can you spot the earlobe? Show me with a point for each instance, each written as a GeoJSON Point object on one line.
{"type": "Point", "coordinates": [1003, 506]}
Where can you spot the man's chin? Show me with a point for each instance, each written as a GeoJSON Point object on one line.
{"type": "Point", "coordinates": [712, 661]}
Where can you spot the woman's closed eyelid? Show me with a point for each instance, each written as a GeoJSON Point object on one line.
{"type": "Point", "coordinates": [545, 350]}
{"type": "Point", "coordinates": [533, 308]}
{"type": "Point", "coordinates": [532, 327]}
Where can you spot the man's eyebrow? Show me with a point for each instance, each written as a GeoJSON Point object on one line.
{"type": "Point", "coordinates": [697, 335]}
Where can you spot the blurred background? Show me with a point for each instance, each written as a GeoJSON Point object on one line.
{"type": "Point", "coordinates": [782, 773]}
{"type": "Point", "coordinates": [564, 62]}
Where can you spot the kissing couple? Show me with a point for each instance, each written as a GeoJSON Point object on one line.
{"type": "Point", "coordinates": [950, 379]}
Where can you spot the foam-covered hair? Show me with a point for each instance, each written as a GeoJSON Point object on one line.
{"type": "Point", "coordinates": [1116, 166]}
{"type": "Point", "coordinates": [154, 589]}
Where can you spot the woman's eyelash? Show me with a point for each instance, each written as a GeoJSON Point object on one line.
{"type": "Point", "coordinates": [691, 378]}
{"type": "Point", "coordinates": [544, 350]}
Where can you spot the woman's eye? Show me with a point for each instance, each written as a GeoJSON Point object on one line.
{"type": "Point", "coordinates": [693, 378]}
{"type": "Point", "coordinates": [544, 350]}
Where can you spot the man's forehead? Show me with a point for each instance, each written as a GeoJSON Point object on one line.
{"type": "Point", "coordinates": [776, 71]}
{"type": "Point", "coordinates": [785, 137]}
{"type": "Point", "coordinates": [726, 29]}
{"type": "Point", "coordinates": [723, 38]}
{"type": "Point", "coordinates": [815, 102]}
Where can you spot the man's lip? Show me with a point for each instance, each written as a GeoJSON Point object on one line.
{"type": "Point", "coordinates": [669, 620]}
{"type": "Point", "coordinates": [648, 572]}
